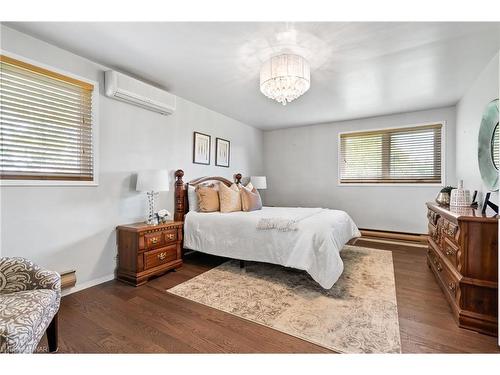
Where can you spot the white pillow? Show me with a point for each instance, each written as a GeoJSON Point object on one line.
{"type": "Point", "coordinates": [249, 186]}
{"type": "Point", "coordinates": [192, 198]}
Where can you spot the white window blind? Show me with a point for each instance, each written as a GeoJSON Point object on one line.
{"type": "Point", "coordinates": [45, 124]}
{"type": "Point", "coordinates": [404, 155]}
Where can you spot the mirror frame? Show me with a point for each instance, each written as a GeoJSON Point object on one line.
{"type": "Point", "coordinates": [487, 168]}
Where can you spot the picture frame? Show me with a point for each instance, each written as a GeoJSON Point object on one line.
{"type": "Point", "coordinates": [201, 148]}
{"type": "Point", "coordinates": [222, 152]}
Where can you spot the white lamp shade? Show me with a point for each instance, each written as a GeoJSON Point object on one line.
{"type": "Point", "coordinates": [259, 182]}
{"type": "Point", "coordinates": [152, 180]}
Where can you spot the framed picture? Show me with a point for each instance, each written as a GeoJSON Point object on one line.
{"type": "Point", "coordinates": [222, 152]}
{"type": "Point", "coordinates": [201, 148]}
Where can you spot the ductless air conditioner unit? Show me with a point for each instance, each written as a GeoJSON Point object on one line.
{"type": "Point", "coordinates": [130, 90]}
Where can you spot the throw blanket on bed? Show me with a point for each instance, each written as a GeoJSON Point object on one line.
{"type": "Point", "coordinates": [289, 222]}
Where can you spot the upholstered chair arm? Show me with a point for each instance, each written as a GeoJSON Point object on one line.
{"type": "Point", "coordinates": [17, 274]}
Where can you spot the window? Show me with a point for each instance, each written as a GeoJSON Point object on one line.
{"type": "Point", "coordinates": [404, 155]}
{"type": "Point", "coordinates": [494, 148]}
{"type": "Point", "coordinates": [45, 124]}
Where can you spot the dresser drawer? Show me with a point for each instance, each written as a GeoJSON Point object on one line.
{"type": "Point", "coordinates": [433, 217]}
{"type": "Point", "coordinates": [433, 232]}
{"type": "Point", "coordinates": [450, 231]}
{"type": "Point", "coordinates": [450, 251]}
{"type": "Point", "coordinates": [161, 256]}
{"type": "Point", "coordinates": [154, 240]}
{"type": "Point", "coordinates": [445, 277]}
{"type": "Point", "coordinates": [170, 236]}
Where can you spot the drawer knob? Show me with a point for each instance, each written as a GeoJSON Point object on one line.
{"type": "Point", "coordinates": [162, 256]}
{"type": "Point", "coordinates": [154, 240]}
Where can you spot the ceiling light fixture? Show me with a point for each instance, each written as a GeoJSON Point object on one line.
{"type": "Point", "coordinates": [285, 77]}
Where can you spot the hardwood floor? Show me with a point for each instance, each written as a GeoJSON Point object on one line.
{"type": "Point", "coordinates": [117, 318]}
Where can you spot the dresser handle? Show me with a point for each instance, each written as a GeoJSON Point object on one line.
{"type": "Point", "coordinates": [154, 240]}
{"type": "Point", "coordinates": [171, 236]}
{"type": "Point", "coordinates": [162, 256]}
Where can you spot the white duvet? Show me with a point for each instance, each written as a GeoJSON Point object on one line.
{"type": "Point", "coordinates": [314, 247]}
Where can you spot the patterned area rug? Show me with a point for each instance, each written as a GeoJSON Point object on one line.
{"type": "Point", "coordinates": [357, 315]}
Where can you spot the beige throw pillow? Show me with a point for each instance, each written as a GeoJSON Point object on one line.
{"type": "Point", "coordinates": [229, 197]}
{"type": "Point", "coordinates": [208, 198]}
{"type": "Point", "coordinates": [250, 199]}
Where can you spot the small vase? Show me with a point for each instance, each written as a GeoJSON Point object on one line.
{"type": "Point", "coordinates": [443, 199]}
{"type": "Point", "coordinates": [460, 197]}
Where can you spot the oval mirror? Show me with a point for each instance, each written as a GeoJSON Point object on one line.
{"type": "Point", "coordinates": [488, 157]}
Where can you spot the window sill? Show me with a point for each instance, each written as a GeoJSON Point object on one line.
{"type": "Point", "coordinates": [371, 184]}
{"type": "Point", "coordinates": [47, 183]}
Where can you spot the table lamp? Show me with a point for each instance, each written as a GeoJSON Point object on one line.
{"type": "Point", "coordinates": [152, 182]}
{"type": "Point", "coordinates": [259, 182]}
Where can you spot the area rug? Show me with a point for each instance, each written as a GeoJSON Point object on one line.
{"type": "Point", "coordinates": [357, 315]}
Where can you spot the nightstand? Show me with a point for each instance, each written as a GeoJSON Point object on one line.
{"type": "Point", "coordinates": [148, 250]}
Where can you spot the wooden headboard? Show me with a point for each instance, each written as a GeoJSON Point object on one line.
{"type": "Point", "coordinates": [181, 199]}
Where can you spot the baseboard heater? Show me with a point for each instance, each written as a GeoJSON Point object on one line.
{"type": "Point", "coordinates": [68, 279]}
{"type": "Point", "coordinates": [412, 237]}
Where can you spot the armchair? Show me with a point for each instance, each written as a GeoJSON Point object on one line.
{"type": "Point", "coordinates": [29, 303]}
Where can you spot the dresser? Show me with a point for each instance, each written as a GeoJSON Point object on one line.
{"type": "Point", "coordinates": [148, 250]}
{"type": "Point", "coordinates": [463, 255]}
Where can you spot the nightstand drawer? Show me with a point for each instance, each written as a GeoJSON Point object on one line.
{"type": "Point", "coordinates": [170, 235]}
{"type": "Point", "coordinates": [161, 256]}
{"type": "Point", "coordinates": [153, 240]}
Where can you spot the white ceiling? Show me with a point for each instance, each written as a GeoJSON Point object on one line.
{"type": "Point", "coordinates": [357, 69]}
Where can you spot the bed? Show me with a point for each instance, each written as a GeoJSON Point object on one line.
{"type": "Point", "coordinates": [313, 246]}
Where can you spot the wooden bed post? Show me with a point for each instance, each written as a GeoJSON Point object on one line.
{"type": "Point", "coordinates": [180, 196]}
{"type": "Point", "coordinates": [237, 178]}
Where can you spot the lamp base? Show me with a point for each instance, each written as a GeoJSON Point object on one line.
{"type": "Point", "coordinates": [152, 219]}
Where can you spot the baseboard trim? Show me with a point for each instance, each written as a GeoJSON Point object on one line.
{"type": "Point", "coordinates": [88, 284]}
{"type": "Point", "coordinates": [392, 242]}
{"type": "Point", "coordinates": [411, 237]}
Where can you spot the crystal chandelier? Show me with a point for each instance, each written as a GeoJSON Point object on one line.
{"type": "Point", "coordinates": [285, 77]}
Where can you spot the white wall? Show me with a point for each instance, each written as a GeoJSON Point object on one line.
{"type": "Point", "coordinates": [73, 227]}
{"type": "Point", "coordinates": [301, 166]}
{"type": "Point", "coordinates": [469, 113]}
